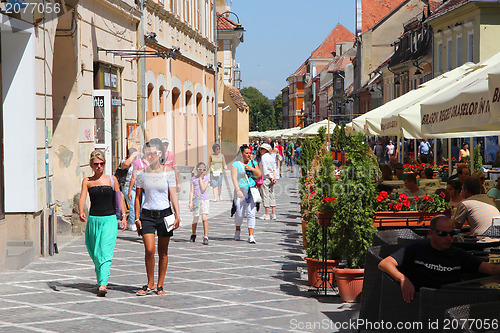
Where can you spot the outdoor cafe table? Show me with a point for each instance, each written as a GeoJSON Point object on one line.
{"type": "Point", "coordinates": [489, 283]}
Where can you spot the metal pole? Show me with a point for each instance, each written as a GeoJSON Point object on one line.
{"type": "Point", "coordinates": [217, 139]}
{"type": "Point", "coordinates": [141, 114]}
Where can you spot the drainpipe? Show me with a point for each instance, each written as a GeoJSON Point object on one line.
{"type": "Point", "coordinates": [141, 114]}
{"type": "Point", "coordinates": [216, 66]}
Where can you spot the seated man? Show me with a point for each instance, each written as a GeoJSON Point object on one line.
{"type": "Point", "coordinates": [462, 173]}
{"type": "Point", "coordinates": [398, 171]}
{"type": "Point", "coordinates": [476, 208]}
{"type": "Point", "coordinates": [433, 264]}
{"type": "Point", "coordinates": [411, 187]}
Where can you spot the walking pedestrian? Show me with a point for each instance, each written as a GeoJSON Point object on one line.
{"type": "Point", "coordinates": [290, 150]}
{"type": "Point", "coordinates": [389, 150]}
{"type": "Point", "coordinates": [169, 160]}
{"type": "Point", "coordinates": [268, 169]}
{"type": "Point", "coordinates": [244, 171]}
{"type": "Point", "coordinates": [158, 184]}
{"type": "Point", "coordinates": [198, 200]}
{"type": "Point", "coordinates": [101, 229]}
{"type": "Point", "coordinates": [279, 146]}
{"type": "Point", "coordinates": [217, 168]}
{"type": "Point", "coordinates": [132, 155]}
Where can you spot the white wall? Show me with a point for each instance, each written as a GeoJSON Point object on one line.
{"type": "Point", "coordinates": [19, 115]}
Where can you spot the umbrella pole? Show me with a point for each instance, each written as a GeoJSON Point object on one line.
{"type": "Point", "coordinates": [471, 156]}
{"type": "Point", "coordinates": [415, 148]}
{"type": "Point", "coordinates": [449, 158]}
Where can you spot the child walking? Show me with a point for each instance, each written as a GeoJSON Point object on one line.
{"type": "Point", "coordinates": [199, 201]}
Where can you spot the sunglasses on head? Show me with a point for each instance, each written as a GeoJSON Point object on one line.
{"type": "Point", "coordinates": [201, 169]}
{"type": "Point", "coordinates": [155, 153]}
{"type": "Point", "coordinates": [99, 163]}
{"type": "Point", "coordinates": [443, 233]}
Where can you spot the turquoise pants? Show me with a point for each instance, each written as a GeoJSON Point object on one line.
{"type": "Point", "coordinates": [100, 239]}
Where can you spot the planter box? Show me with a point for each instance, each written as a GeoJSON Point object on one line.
{"type": "Point", "coordinates": [323, 219]}
{"type": "Point", "coordinates": [388, 219]}
{"type": "Point", "coordinates": [313, 276]}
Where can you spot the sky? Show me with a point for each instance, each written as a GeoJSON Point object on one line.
{"type": "Point", "coordinates": [281, 34]}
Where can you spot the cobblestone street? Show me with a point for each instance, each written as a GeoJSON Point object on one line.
{"type": "Point", "coordinates": [227, 286]}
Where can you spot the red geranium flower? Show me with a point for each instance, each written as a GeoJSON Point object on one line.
{"type": "Point", "coordinates": [397, 206]}
{"type": "Point", "coordinates": [427, 197]}
{"type": "Point", "coordinates": [384, 194]}
{"type": "Point", "coordinates": [416, 198]}
{"type": "Point", "coordinates": [379, 198]}
{"type": "Point", "coordinates": [403, 197]}
{"type": "Point", "coordinates": [313, 192]}
{"type": "Point", "coordinates": [406, 203]}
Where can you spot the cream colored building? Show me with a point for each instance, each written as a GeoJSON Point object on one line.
{"type": "Point", "coordinates": [464, 31]}
{"type": "Point", "coordinates": [181, 89]}
{"type": "Point", "coordinates": [62, 97]}
{"type": "Point", "coordinates": [233, 112]}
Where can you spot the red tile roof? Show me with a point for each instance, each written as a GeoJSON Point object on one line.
{"type": "Point", "coordinates": [238, 99]}
{"type": "Point", "coordinates": [373, 11]}
{"type": "Point", "coordinates": [446, 7]}
{"type": "Point", "coordinates": [223, 23]}
{"type": "Point", "coordinates": [301, 70]}
{"type": "Point", "coordinates": [339, 34]}
{"type": "Point", "coordinates": [341, 63]}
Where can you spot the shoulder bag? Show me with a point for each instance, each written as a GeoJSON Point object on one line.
{"type": "Point", "coordinates": [254, 192]}
{"type": "Point", "coordinates": [117, 200]}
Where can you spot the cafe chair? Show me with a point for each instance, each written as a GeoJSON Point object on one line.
{"type": "Point", "coordinates": [493, 231]}
{"type": "Point", "coordinates": [473, 317]}
{"type": "Point", "coordinates": [435, 302]}
{"type": "Point", "coordinates": [370, 296]}
{"type": "Point", "coordinates": [388, 237]}
{"type": "Point", "coordinates": [393, 307]}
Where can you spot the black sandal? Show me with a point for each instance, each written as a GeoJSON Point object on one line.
{"type": "Point", "coordinates": [145, 290]}
{"type": "Point", "coordinates": [160, 291]}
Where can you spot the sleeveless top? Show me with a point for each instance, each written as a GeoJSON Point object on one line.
{"type": "Point", "coordinates": [216, 163]}
{"type": "Point", "coordinates": [102, 200]}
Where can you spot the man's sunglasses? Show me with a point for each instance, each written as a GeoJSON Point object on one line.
{"type": "Point", "coordinates": [443, 233]}
{"type": "Point", "coordinates": [155, 153]}
{"type": "Point", "coordinates": [99, 163]}
{"type": "Point", "coordinates": [201, 169]}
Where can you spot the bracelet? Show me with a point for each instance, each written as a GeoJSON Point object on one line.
{"type": "Point", "coordinates": [137, 220]}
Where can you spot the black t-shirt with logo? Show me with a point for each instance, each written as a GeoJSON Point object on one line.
{"type": "Point", "coordinates": [428, 267]}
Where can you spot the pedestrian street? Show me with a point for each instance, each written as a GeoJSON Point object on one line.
{"type": "Point", "coordinates": [226, 286]}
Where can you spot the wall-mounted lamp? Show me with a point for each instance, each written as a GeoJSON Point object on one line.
{"type": "Point", "coordinates": [219, 64]}
{"type": "Point", "coordinates": [397, 83]}
{"type": "Point", "coordinates": [210, 67]}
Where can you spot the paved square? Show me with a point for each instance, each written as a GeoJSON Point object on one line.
{"type": "Point", "coordinates": [227, 286]}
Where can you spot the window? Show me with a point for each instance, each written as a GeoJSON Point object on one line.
{"type": "Point", "coordinates": [459, 61]}
{"type": "Point", "coordinates": [470, 46]}
{"type": "Point", "coordinates": [440, 57]}
{"type": "Point", "coordinates": [338, 83]}
{"type": "Point", "coordinates": [448, 54]}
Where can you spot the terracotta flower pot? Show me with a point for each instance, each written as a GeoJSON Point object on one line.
{"type": "Point", "coordinates": [304, 234]}
{"type": "Point", "coordinates": [313, 276]}
{"type": "Point", "coordinates": [323, 219]}
{"type": "Point", "coordinates": [350, 283]}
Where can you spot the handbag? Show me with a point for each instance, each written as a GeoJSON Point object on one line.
{"type": "Point", "coordinates": [253, 191]}
{"type": "Point", "coordinates": [117, 200]}
{"type": "Point", "coordinates": [169, 221]}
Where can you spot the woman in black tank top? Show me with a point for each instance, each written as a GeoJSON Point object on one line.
{"type": "Point", "coordinates": [101, 229]}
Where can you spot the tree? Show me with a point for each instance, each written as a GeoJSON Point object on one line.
{"type": "Point", "coordinates": [278, 110]}
{"type": "Point", "coordinates": [261, 111]}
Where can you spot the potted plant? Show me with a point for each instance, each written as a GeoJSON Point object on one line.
{"type": "Point", "coordinates": [352, 221]}
{"type": "Point", "coordinates": [323, 174]}
{"type": "Point", "coordinates": [308, 165]}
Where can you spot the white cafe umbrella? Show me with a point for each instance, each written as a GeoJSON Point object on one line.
{"type": "Point", "coordinates": [467, 105]}
{"type": "Point", "coordinates": [312, 129]}
{"type": "Point", "coordinates": [390, 123]}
